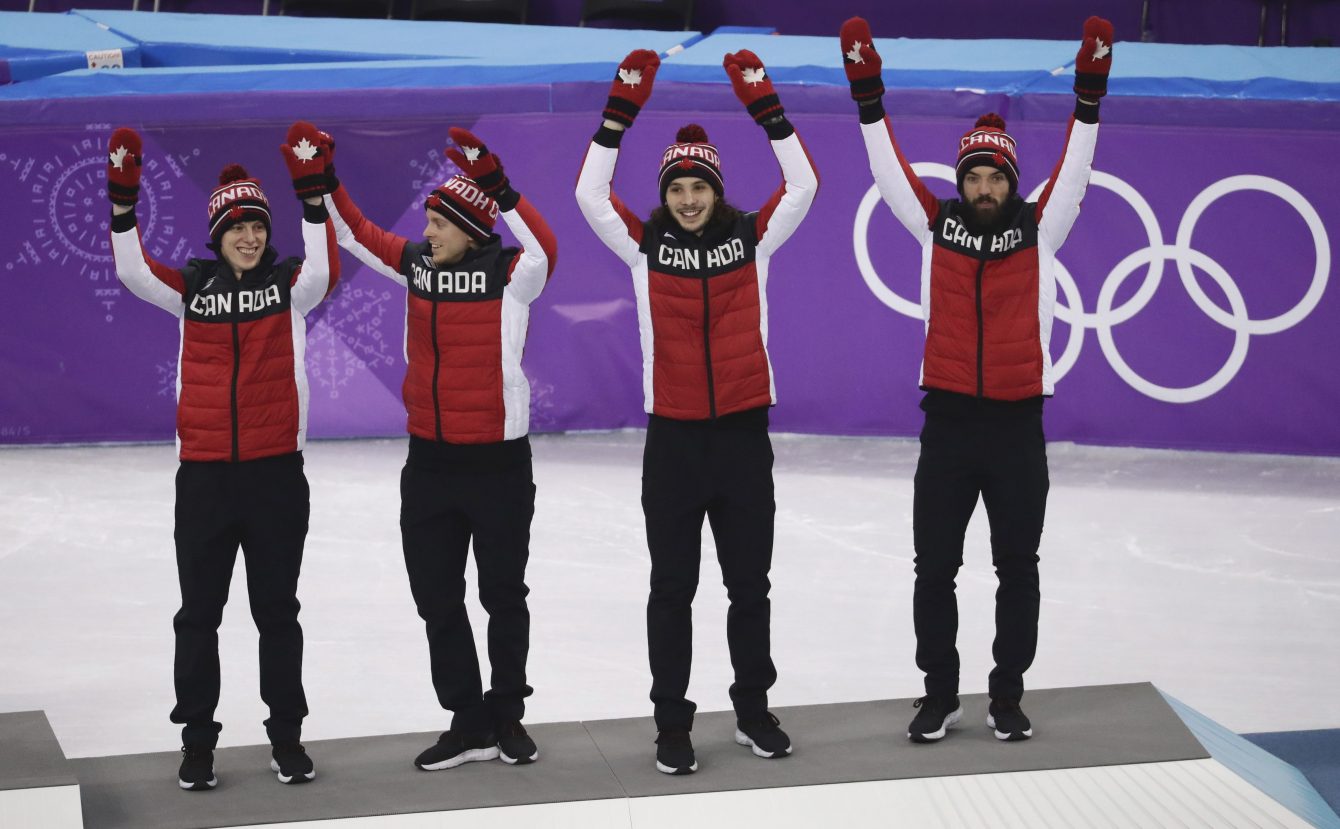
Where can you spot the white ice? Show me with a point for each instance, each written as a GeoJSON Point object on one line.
{"type": "Point", "coordinates": [1214, 576]}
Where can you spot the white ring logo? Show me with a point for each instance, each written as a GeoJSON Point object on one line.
{"type": "Point", "coordinates": [1105, 316]}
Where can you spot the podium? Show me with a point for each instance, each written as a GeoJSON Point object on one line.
{"type": "Point", "coordinates": [1109, 756]}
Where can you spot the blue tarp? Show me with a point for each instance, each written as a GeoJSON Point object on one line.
{"type": "Point", "coordinates": [35, 45]}
{"type": "Point", "coordinates": [229, 39]}
{"type": "Point", "coordinates": [189, 54]}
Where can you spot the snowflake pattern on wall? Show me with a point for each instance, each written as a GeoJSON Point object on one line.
{"type": "Point", "coordinates": [352, 337]}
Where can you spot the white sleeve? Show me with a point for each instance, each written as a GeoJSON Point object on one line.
{"type": "Point", "coordinates": [145, 278]}
{"type": "Point", "coordinates": [320, 268]}
{"type": "Point", "coordinates": [784, 212]}
{"type": "Point", "coordinates": [535, 262]}
{"type": "Point", "coordinates": [374, 247]}
{"type": "Point", "coordinates": [607, 216]}
{"type": "Point", "coordinates": [1059, 204]}
{"type": "Point", "coordinates": [905, 194]}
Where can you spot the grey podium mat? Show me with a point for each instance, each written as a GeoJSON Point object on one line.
{"type": "Point", "coordinates": [356, 777]}
{"type": "Point", "coordinates": [30, 756]}
{"type": "Point", "coordinates": [853, 742]}
{"type": "Point", "coordinates": [837, 743]}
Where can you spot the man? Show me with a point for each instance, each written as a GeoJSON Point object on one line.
{"type": "Point", "coordinates": [468, 475]}
{"type": "Point", "coordinates": [988, 297]}
{"type": "Point", "coordinates": [241, 429]}
{"type": "Point", "coordinates": [700, 270]}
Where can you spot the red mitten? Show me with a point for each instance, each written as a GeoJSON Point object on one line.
{"type": "Point", "coordinates": [752, 85]}
{"type": "Point", "coordinates": [123, 166]}
{"type": "Point", "coordinates": [1094, 60]}
{"type": "Point", "coordinates": [632, 86]}
{"type": "Point", "coordinates": [477, 162]}
{"type": "Point", "coordinates": [861, 61]}
{"type": "Point", "coordinates": [328, 151]}
{"type": "Point", "coordinates": [307, 157]}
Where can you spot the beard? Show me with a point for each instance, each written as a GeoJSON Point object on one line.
{"type": "Point", "coordinates": [985, 215]}
{"type": "Point", "coordinates": [986, 210]}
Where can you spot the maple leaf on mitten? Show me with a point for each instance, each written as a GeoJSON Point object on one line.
{"type": "Point", "coordinates": [307, 157]}
{"type": "Point", "coordinates": [476, 162]}
{"type": "Point", "coordinates": [752, 85]}
{"type": "Point", "coordinates": [860, 61]}
{"type": "Point", "coordinates": [1093, 62]}
{"type": "Point", "coordinates": [632, 86]}
{"type": "Point", "coordinates": [123, 166]}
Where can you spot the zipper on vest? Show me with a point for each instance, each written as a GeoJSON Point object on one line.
{"type": "Point", "coordinates": [707, 352]}
{"type": "Point", "coordinates": [237, 370]}
{"type": "Point", "coordinates": [437, 368]}
{"type": "Point", "coordinates": [981, 330]}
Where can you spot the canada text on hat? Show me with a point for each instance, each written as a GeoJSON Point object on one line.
{"type": "Point", "coordinates": [237, 192]}
{"type": "Point", "coordinates": [703, 152]}
{"type": "Point", "coordinates": [988, 145]}
{"type": "Point", "coordinates": [237, 198]}
{"type": "Point", "coordinates": [982, 139]}
{"type": "Point", "coordinates": [462, 203]}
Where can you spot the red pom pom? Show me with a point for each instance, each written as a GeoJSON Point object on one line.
{"type": "Point", "coordinates": [991, 119]}
{"type": "Point", "coordinates": [691, 134]}
{"type": "Point", "coordinates": [233, 172]}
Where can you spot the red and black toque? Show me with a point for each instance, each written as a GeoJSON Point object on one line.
{"type": "Point", "coordinates": [691, 155]}
{"type": "Point", "coordinates": [238, 198]}
{"type": "Point", "coordinates": [461, 202]}
{"type": "Point", "coordinates": [988, 145]}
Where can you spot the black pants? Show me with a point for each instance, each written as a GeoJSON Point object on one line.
{"type": "Point", "coordinates": [450, 494]}
{"type": "Point", "coordinates": [261, 506]}
{"type": "Point", "coordinates": [1004, 459]}
{"type": "Point", "coordinates": [722, 470]}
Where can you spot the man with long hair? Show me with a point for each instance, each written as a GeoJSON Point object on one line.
{"type": "Point", "coordinates": [700, 273]}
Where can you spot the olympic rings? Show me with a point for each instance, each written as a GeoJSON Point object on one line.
{"type": "Point", "coordinates": [1105, 316]}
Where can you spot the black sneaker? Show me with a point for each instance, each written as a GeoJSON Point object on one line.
{"type": "Point", "coordinates": [291, 763]}
{"type": "Point", "coordinates": [1008, 720]}
{"type": "Point", "coordinates": [515, 747]}
{"type": "Point", "coordinates": [764, 736]}
{"type": "Point", "coordinates": [197, 769]}
{"type": "Point", "coordinates": [935, 716]}
{"type": "Point", "coordinates": [674, 752]}
{"type": "Point", "coordinates": [454, 748]}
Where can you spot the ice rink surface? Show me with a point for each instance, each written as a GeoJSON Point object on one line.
{"type": "Point", "coordinates": [1215, 576]}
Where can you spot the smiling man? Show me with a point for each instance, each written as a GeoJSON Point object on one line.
{"type": "Point", "coordinates": [241, 429]}
{"type": "Point", "coordinates": [988, 298]}
{"type": "Point", "coordinates": [700, 273]}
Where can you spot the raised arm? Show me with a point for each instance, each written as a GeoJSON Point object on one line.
{"type": "Point", "coordinates": [379, 249]}
{"type": "Point", "coordinates": [905, 194]}
{"type": "Point", "coordinates": [613, 222]}
{"type": "Point", "coordinates": [780, 217]}
{"type": "Point", "coordinates": [531, 268]}
{"type": "Point", "coordinates": [150, 281]}
{"type": "Point", "coordinates": [308, 154]}
{"type": "Point", "coordinates": [1058, 207]}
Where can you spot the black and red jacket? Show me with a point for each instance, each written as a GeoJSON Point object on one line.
{"type": "Point", "coordinates": [702, 302]}
{"type": "Point", "coordinates": [988, 298]}
{"type": "Point", "coordinates": [241, 378]}
{"type": "Point", "coordinates": [466, 323]}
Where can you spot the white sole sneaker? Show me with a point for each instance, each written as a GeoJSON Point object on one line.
{"type": "Point", "coordinates": [284, 778]}
{"type": "Point", "coordinates": [472, 755]}
{"type": "Point", "coordinates": [512, 761]}
{"type": "Point", "coordinates": [195, 787]}
{"type": "Point", "coordinates": [743, 739]}
{"type": "Point", "coordinates": [1006, 735]}
{"type": "Point", "coordinates": [930, 737]}
{"type": "Point", "coordinates": [664, 769]}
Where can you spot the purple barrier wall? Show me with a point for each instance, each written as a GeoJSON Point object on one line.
{"type": "Point", "coordinates": [1238, 352]}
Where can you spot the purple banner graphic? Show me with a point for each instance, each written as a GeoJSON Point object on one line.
{"type": "Point", "coordinates": [1194, 300]}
